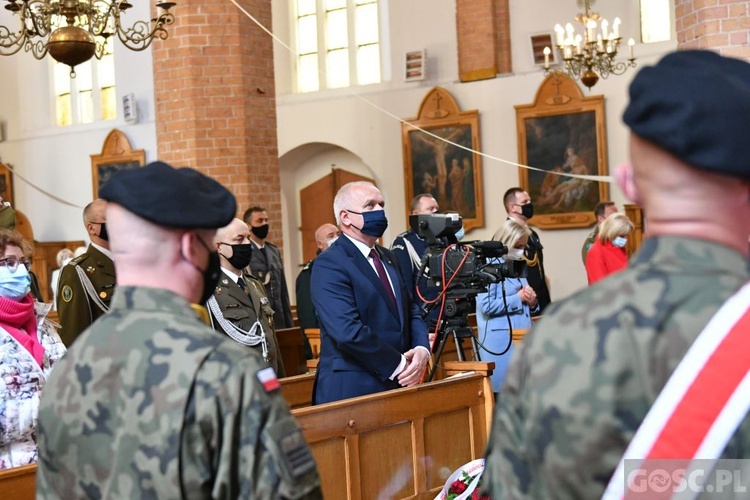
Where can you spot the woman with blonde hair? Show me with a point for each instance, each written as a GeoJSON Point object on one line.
{"type": "Point", "coordinates": [607, 255]}
{"type": "Point", "coordinates": [29, 347]}
{"type": "Point", "coordinates": [506, 306]}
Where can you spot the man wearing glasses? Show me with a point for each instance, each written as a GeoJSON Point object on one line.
{"type": "Point", "coordinates": [88, 281]}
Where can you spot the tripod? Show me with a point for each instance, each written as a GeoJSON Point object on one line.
{"type": "Point", "coordinates": [459, 328]}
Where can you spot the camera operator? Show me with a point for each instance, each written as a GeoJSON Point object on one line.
{"type": "Point", "coordinates": [506, 305]}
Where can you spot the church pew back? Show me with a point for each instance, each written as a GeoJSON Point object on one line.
{"type": "Point", "coordinates": [402, 443]}
{"type": "Point", "coordinates": [18, 483]}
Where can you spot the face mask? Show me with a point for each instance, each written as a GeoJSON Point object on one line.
{"type": "Point", "coordinates": [527, 210]}
{"type": "Point", "coordinates": [210, 275]}
{"type": "Point", "coordinates": [460, 234]}
{"type": "Point", "coordinates": [620, 241]}
{"type": "Point", "coordinates": [14, 286]}
{"type": "Point", "coordinates": [241, 255]}
{"type": "Point", "coordinates": [261, 231]}
{"type": "Point", "coordinates": [103, 234]}
{"type": "Point", "coordinates": [514, 254]}
{"type": "Point", "coordinates": [330, 242]}
{"type": "Point", "coordinates": [375, 223]}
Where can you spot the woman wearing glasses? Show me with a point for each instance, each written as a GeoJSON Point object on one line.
{"type": "Point", "coordinates": [29, 347]}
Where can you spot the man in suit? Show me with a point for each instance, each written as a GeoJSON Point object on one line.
{"type": "Point", "coordinates": [324, 236]}
{"type": "Point", "coordinates": [519, 207]}
{"type": "Point", "coordinates": [267, 266]}
{"type": "Point", "coordinates": [372, 336]}
{"type": "Point", "coordinates": [239, 306]}
{"type": "Point", "coordinates": [88, 281]}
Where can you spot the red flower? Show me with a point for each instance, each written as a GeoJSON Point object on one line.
{"type": "Point", "coordinates": [458, 486]}
{"type": "Point", "coordinates": [476, 496]}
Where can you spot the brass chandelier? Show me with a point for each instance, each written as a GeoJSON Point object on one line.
{"type": "Point", "coordinates": [591, 55]}
{"type": "Point", "coordinates": [73, 31]}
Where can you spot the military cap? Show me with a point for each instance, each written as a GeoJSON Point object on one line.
{"type": "Point", "coordinates": [172, 197]}
{"type": "Point", "coordinates": [695, 104]}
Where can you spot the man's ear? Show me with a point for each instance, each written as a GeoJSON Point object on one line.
{"type": "Point", "coordinates": [624, 178]}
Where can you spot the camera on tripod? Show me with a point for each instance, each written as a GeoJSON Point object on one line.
{"type": "Point", "coordinates": [461, 271]}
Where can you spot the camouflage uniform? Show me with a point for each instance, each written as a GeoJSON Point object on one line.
{"type": "Point", "coordinates": [151, 403]}
{"type": "Point", "coordinates": [585, 377]}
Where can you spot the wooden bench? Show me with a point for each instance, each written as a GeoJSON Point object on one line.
{"type": "Point", "coordinates": [402, 443]}
{"type": "Point", "coordinates": [292, 350]}
{"type": "Point", "coordinates": [298, 390]}
{"type": "Point", "coordinates": [18, 483]}
{"type": "Point", "coordinates": [313, 335]}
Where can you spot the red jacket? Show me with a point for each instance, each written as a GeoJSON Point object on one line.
{"type": "Point", "coordinates": [604, 259]}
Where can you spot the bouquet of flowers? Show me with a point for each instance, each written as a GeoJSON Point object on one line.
{"type": "Point", "coordinates": [464, 483]}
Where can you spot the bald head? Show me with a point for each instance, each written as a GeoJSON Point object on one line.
{"type": "Point", "coordinates": [94, 216]}
{"type": "Point", "coordinates": [234, 233]}
{"type": "Point", "coordinates": [324, 234]}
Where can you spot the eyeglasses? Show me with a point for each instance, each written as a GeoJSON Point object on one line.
{"type": "Point", "coordinates": [12, 263]}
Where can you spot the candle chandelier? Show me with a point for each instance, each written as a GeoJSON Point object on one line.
{"type": "Point", "coordinates": [73, 31]}
{"type": "Point", "coordinates": [590, 55]}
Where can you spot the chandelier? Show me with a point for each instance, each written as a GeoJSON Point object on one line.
{"type": "Point", "coordinates": [591, 55]}
{"type": "Point", "coordinates": [73, 31]}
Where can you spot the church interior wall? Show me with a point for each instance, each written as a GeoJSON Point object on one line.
{"type": "Point", "coordinates": [360, 136]}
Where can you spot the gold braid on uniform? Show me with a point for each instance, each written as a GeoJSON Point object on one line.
{"type": "Point", "coordinates": [532, 262]}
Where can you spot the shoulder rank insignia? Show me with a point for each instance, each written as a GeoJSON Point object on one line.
{"type": "Point", "coordinates": [90, 270]}
{"type": "Point", "coordinates": [67, 293]}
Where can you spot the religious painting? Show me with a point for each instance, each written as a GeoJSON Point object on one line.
{"type": "Point", "coordinates": [439, 158]}
{"type": "Point", "coordinates": [561, 137]}
{"type": "Point", "coordinates": [6, 184]}
{"type": "Point", "coordinates": [116, 155]}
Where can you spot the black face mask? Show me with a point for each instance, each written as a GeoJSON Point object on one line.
{"type": "Point", "coordinates": [527, 210]}
{"type": "Point", "coordinates": [260, 231]}
{"type": "Point", "coordinates": [241, 255]}
{"type": "Point", "coordinates": [103, 234]}
{"type": "Point", "coordinates": [210, 275]}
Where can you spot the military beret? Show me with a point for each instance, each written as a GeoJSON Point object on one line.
{"type": "Point", "coordinates": [172, 197]}
{"type": "Point", "coordinates": [695, 104]}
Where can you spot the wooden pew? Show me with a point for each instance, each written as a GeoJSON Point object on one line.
{"type": "Point", "coordinates": [298, 390]}
{"type": "Point", "coordinates": [313, 335]}
{"type": "Point", "coordinates": [401, 443]}
{"type": "Point", "coordinates": [18, 483]}
{"type": "Point", "coordinates": [292, 350]}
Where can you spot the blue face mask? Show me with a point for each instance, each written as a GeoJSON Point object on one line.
{"type": "Point", "coordinates": [460, 234]}
{"type": "Point", "coordinates": [16, 285]}
{"type": "Point", "coordinates": [620, 241]}
{"type": "Point", "coordinates": [375, 222]}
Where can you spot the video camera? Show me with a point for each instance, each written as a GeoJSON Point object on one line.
{"type": "Point", "coordinates": [470, 267]}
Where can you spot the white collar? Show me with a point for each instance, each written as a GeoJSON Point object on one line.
{"type": "Point", "coordinates": [360, 246]}
{"type": "Point", "coordinates": [103, 250]}
{"type": "Point", "coordinates": [231, 274]}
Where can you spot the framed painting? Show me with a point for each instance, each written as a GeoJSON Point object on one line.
{"type": "Point", "coordinates": [6, 184]}
{"type": "Point", "coordinates": [561, 135]}
{"type": "Point", "coordinates": [116, 155]}
{"type": "Point", "coordinates": [439, 159]}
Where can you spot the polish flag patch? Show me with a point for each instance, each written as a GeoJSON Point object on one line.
{"type": "Point", "coordinates": [267, 378]}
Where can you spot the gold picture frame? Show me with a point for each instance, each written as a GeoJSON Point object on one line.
{"type": "Point", "coordinates": [562, 132]}
{"type": "Point", "coordinates": [116, 155]}
{"type": "Point", "coordinates": [6, 184]}
{"type": "Point", "coordinates": [432, 164]}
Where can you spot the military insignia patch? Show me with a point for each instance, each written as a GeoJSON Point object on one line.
{"type": "Point", "coordinates": [90, 270]}
{"type": "Point", "coordinates": [267, 378]}
{"type": "Point", "coordinates": [298, 457]}
{"type": "Point", "coordinates": [264, 301]}
{"type": "Point", "coordinates": [103, 295]}
{"type": "Point", "coordinates": [67, 293]}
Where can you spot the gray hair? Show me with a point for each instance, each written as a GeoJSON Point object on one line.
{"type": "Point", "coordinates": [343, 198]}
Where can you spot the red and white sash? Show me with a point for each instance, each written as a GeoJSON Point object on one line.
{"type": "Point", "coordinates": [705, 399]}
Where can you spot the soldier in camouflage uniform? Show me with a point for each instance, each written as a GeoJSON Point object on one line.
{"type": "Point", "coordinates": [585, 377]}
{"type": "Point", "coordinates": [151, 403]}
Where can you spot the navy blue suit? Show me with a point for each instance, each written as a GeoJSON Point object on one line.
{"type": "Point", "coordinates": [362, 333]}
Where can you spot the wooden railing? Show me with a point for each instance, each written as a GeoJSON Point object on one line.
{"type": "Point", "coordinates": [18, 483]}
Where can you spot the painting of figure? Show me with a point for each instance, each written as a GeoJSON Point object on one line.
{"type": "Point", "coordinates": [444, 170]}
{"type": "Point", "coordinates": [564, 144]}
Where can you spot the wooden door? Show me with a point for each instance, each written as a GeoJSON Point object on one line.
{"type": "Point", "coordinates": [316, 205]}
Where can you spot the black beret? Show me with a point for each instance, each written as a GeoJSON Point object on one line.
{"type": "Point", "coordinates": [172, 197]}
{"type": "Point", "coordinates": [695, 104]}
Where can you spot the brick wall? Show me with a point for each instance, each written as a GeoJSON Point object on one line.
{"type": "Point", "coordinates": [215, 103]}
{"type": "Point", "coordinates": [719, 25]}
{"type": "Point", "coordinates": [483, 31]}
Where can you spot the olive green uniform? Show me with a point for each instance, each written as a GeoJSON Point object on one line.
{"type": "Point", "coordinates": [76, 309]}
{"type": "Point", "coordinates": [244, 309]}
{"type": "Point", "coordinates": [151, 403]}
{"type": "Point", "coordinates": [587, 374]}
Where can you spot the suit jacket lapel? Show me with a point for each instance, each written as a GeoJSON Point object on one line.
{"type": "Point", "coordinates": [235, 291]}
{"type": "Point", "coordinates": [393, 272]}
{"type": "Point", "coordinates": [367, 270]}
